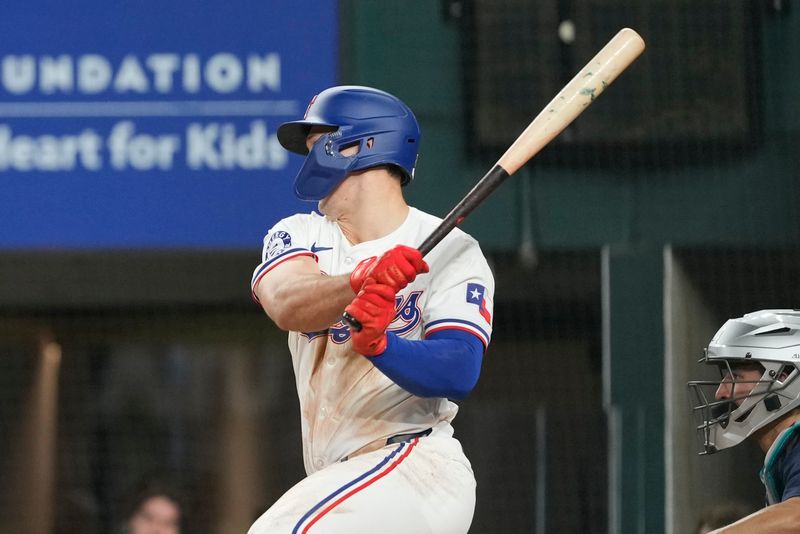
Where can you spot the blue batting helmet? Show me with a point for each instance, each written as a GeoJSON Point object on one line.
{"type": "Point", "coordinates": [358, 114]}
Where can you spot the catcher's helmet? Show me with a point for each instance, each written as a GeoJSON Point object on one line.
{"type": "Point", "coordinates": [767, 341]}
{"type": "Point", "coordinates": [358, 114]}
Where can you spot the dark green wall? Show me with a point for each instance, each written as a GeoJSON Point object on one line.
{"type": "Point", "coordinates": [410, 49]}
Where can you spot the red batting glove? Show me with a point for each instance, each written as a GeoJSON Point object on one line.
{"type": "Point", "coordinates": [397, 268]}
{"type": "Point", "coordinates": [373, 307]}
{"type": "Point", "coordinates": [359, 274]}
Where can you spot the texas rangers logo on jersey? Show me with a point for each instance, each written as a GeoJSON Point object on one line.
{"type": "Point", "coordinates": [279, 242]}
{"type": "Point", "coordinates": [407, 317]}
{"type": "Point", "coordinates": [475, 295]}
{"type": "Point", "coordinates": [408, 313]}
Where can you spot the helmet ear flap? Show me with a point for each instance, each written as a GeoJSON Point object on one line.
{"type": "Point", "coordinates": [772, 403]}
{"type": "Point", "coordinates": [351, 149]}
{"type": "Point", "coordinates": [324, 168]}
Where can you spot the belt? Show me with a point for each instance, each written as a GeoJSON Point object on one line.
{"type": "Point", "coordinates": [397, 438]}
{"type": "Point", "coordinates": [400, 438]}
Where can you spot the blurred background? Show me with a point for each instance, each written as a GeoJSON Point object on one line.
{"type": "Point", "coordinates": [139, 172]}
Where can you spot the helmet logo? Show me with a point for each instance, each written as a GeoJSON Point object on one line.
{"type": "Point", "coordinates": [314, 99]}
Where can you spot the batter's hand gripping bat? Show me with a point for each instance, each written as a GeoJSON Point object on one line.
{"type": "Point", "coordinates": [570, 102]}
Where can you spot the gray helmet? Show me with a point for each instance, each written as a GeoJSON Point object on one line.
{"type": "Point", "coordinates": [767, 340]}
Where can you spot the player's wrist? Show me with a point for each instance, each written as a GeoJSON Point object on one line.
{"type": "Point", "coordinates": [374, 348]}
{"type": "Point", "coordinates": [386, 342]}
{"type": "Point", "coordinates": [369, 345]}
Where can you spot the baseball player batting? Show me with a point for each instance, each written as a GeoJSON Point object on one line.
{"type": "Point", "coordinates": [378, 442]}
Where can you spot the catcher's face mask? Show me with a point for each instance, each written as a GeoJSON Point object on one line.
{"type": "Point", "coordinates": [759, 381]}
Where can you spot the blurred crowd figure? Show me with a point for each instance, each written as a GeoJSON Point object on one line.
{"type": "Point", "coordinates": [156, 508]}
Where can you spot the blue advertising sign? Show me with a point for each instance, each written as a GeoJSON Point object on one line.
{"type": "Point", "coordinates": [151, 124]}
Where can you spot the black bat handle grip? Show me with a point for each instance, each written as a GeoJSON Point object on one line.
{"type": "Point", "coordinates": [352, 322]}
{"type": "Point", "coordinates": [478, 194]}
{"type": "Point", "coordinates": [485, 186]}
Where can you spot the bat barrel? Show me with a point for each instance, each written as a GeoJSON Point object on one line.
{"type": "Point", "coordinates": [570, 102]}
{"type": "Point", "coordinates": [574, 97]}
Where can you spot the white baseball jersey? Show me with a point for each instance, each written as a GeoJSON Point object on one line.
{"type": "Point", "coordinates": [347, 405]}
{"type": "Point", "coordinates": [349, 408]}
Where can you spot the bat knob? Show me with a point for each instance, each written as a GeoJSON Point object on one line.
{"type": "Point", "coordinates": [352, 322]}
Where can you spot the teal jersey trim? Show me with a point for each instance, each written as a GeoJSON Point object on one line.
{"type": "Point", "coordinates": [773, 483]}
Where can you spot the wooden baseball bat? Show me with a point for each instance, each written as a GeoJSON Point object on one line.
{"type": "Point", "coordinates": [570, 102]}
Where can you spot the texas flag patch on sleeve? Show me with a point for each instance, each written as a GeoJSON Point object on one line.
{"type": "Point", "coordinates": [476, 295]}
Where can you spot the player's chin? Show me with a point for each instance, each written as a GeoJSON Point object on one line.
{"type": "Point", "coordinates": [324, 207]}
{"type": "Point", "coordinates": [330, 208]}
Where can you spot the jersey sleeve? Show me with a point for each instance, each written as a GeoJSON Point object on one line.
{"type": "Point", "coordinates": [461, 292]}
{"type": "Point", "coordinates": [288, 239]}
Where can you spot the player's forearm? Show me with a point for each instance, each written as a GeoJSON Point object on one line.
{"type": "Point", "coordinates": [446, 366]}
{"type": "Point", "coordinates": [776, 519]}
{"type": "Point", "coordinates": [307, 302]}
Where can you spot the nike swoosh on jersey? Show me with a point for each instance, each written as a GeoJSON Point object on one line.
{"type": "Point", "coordinates": [315, 248]}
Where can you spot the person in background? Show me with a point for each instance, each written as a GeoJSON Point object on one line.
{"type": "Point", "coordinates": [757, 397]}
{"type": "Point", "coordinates": [155, 509]}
